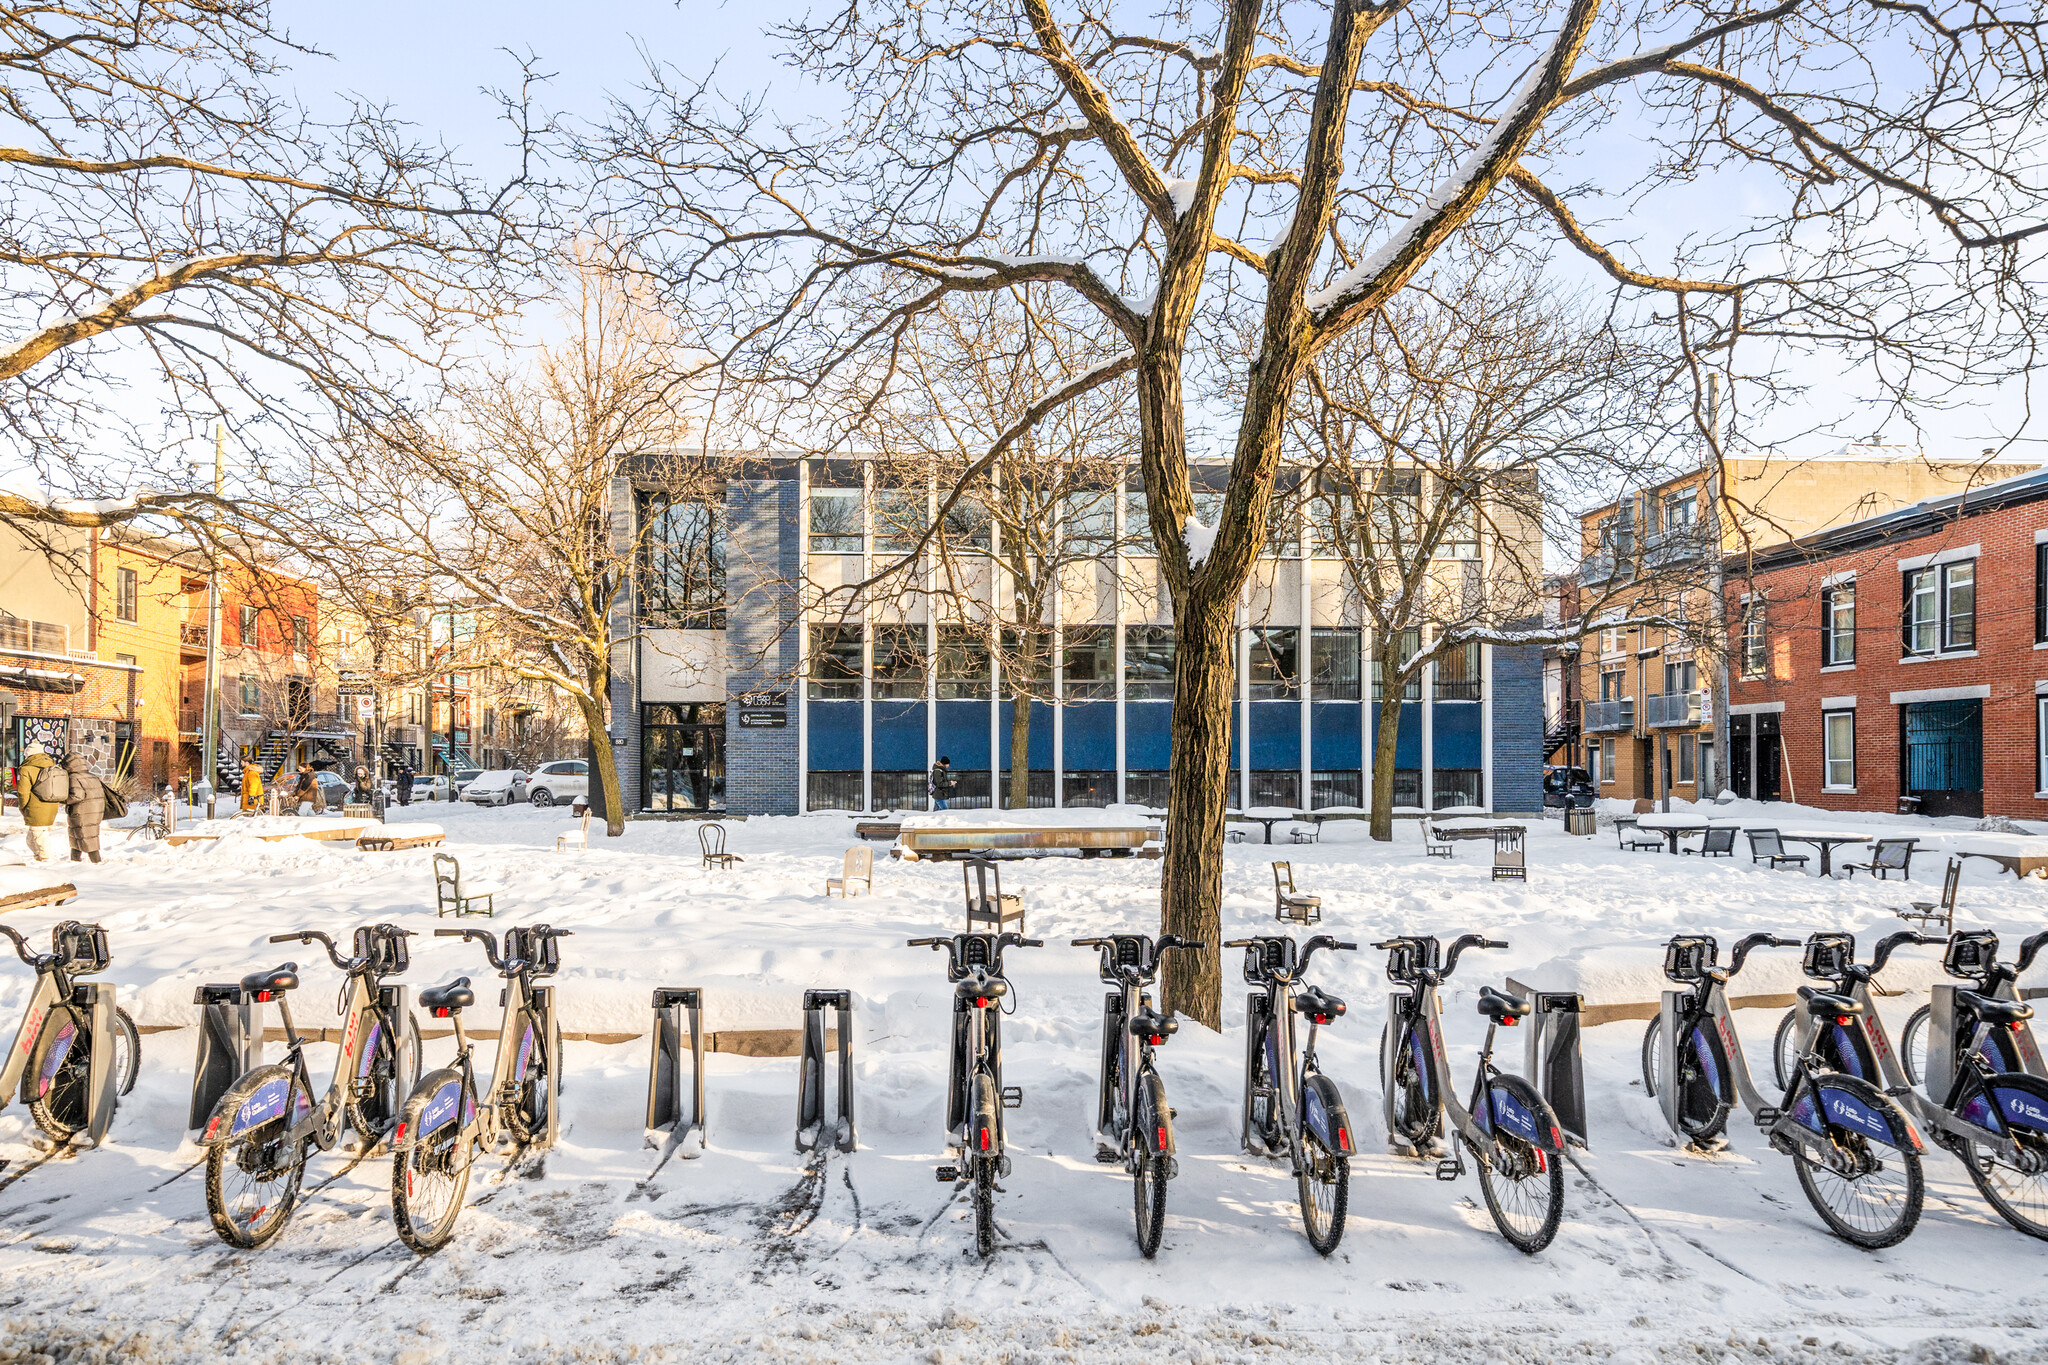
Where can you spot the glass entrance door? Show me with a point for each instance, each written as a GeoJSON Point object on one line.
{"type": "Point", "coordinates": [682, 757]}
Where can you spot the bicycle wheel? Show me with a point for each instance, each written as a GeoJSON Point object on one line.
{"type": "Point", "coordinates": [2018, 1190]}
{"type": "Point", "coordinates": [1913, 1045]}
{"type": "Point", "coordinates": [1148, 1183]}
{"type": "Point", "coordinates": [1324, 1178]}
{"type": "Point", "coordinates": [58, 1081]}
{"type": "Point", "coordinates": [1785, 1048]}
{"type": "Point", "coordinates": [252, 1184]}
{"type": "Point", "coordinates": [1261, 1100]}
{"type": "Point", "coordinates": [1417, 1115]}
{"type": "Point", "coordinates": [430, 1178]}
{"type": "Point", "coordinates": [1523, 1184]}
{"type": "Point", "coordinates": [386, 1077]}
{"type": "Point", "coordinates": [528, 1116]}
{"type": "Point", "coordinates": [127, 1052]}
{"type": "Point", "coordinates": [1866, 1189]}
{"type": "Point", "coordinates": [1703, 1101]}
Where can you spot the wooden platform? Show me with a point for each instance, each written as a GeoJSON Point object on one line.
{"type": "Point", "coordinates": [1090, 841]}
{"type": "Point", "coordinates": [63, 893]}
{"type": "Point", "coordinates": [339, 831]}
{"type": "Point", "coordinates": [393, 843]}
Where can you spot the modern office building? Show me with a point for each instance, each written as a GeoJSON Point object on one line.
{"type": "Point", "coordinates": [733, 691]}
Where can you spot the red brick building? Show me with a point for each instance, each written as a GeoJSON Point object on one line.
{"type": "Point", "coordinates": [1903, 658]}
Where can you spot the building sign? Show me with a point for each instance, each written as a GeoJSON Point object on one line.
{"type": "Point", "coordinates": [1706, 707]}
{"type": "Point", "coordinates": [764, 720]}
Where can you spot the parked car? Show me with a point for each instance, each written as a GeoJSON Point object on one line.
{"type": "Point", "coordinates": [1561, 783]}
{"type": "Point", "coordinates": [465, 776]}
{"type": "Point", "coordinates": [498, 787]}
{"type": "Point", "coordinates": [424, 788]}
{"type": "Point", "coordinates": [334, 788]}
{"type": "Point", "coordinates": [562, 780]}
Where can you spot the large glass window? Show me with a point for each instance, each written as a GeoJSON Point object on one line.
{"type": "Point", "coordinates": [1148, 663]}
{"type": "Point", "coordinates": [1941, 608]}
{"type": "Point", "coordinates": [1458, 674]}
{"type": "Point", "coordinates": [1838, 625]}
{"type": "Point", "coordinates": [1333, 667]}
{"type": "Point", "coordinates": [682, 564]}
{"type": "Point", "coordinates": [1959, 606]}
{"type": "Point", "coordinates": [1396, 508]}
{"type": "Point", "coordinates": [835, 663]}
{"type": "Point", "coordinates": [899, 662]}
{"type": "Point", "coordinates": [1090, 662]}
{"type": "Point", "coordinates": [901, 515]}
{"type": "Point", "coordinates": [682, 756]}
{"type": "Point", "coordinates": [1455, 787]}
{"type": "Point", "coordinates": [835, 521]}
{"type": "Point", "coordinates": [1275, 669]}
{"type": "Point", "coordinates": [1681, 675]}
{"type": "Point", "coordinates": [1411, 645]}
{"type": "Point", "coordinates": [1838, 737]}
{"type": "Point", "coordinates": [1090, 521]}
{"type": "Point", "coordinates": [963, 664]}
{"type": "Point", "coordinates": [1026, 658]}
{"type": "Point", "coordinates": [1137, 522]}
{"type": "Point", "coordinates": [966, 524]}
{"type": "Point", "coordinates": [1340, 787]}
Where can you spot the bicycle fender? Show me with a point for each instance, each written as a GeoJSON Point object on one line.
{"type": "Point", "coordinates": [1323, 1116]}
{"type": "Point", "coordinates": [2020, 1102]}
{"type": "Point", "coordinates": [254, 1100]}
{"type": "Point", "coordinates": [437, 1101]}
{"type": "Point", "coordinates": [1154, 1120]}
{"type": "Point", "coordinates": [1514, 1108]}
{"type": "Point", "coordinates": [1856, 1106]}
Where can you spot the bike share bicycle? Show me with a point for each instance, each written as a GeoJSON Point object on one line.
{"type": "Point", "coordinates": [1854, 1150]}
{"type": "Point", "coordinates": [2009, 1049]}
{"type": "Point", "coordinates": [1510, 1130]}
{"type": "Point", "coordinates": [1979, 1104]}
{"type": "Point", "coordinates": [1134, 1124]}
{"type": "Point", "coordinates": [1290, 1106]}
{"type": "Point", "coordinates": [267, 1122]}
{"type": "Point", "coordinates": [446, 1122]}
{"type": "Point", "coordinates": [975, 1094]}
{"type": "Point", "coordinates": [76, 1051]}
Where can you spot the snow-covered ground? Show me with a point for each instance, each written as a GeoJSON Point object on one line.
{"type": "Point", "coordinates": [752, 1252]}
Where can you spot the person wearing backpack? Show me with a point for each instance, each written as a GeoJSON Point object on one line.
{"type": "Point", "coordinates": [87, 806]}
{"type": "Point", "coordinates": [944, 784]}
{"type": "Point", "coordinates": [38, 812]}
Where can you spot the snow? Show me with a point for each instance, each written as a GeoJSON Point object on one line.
{"type": "Point", "coordinates": [1201, 539]}
{"type": "Point", "coordinates": [1181, 193]}
{"type": "Point", "coordinates": [755, 1253]}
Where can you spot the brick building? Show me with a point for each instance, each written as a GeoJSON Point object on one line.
{"type": "Point", "coordinates": [1902, 657]}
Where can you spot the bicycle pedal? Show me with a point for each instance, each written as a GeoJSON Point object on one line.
{"type": "Point", "coordinates": [1449, 1170]}
{"type": "Point", "coordinates": [1013, 1097]}
{"type": "Point", "coordinates": [1108, 1155]}
{"type": "Point", "coordinates": [949, 1175]}
{"type": "Point", "coordinates": [1768, 1115]}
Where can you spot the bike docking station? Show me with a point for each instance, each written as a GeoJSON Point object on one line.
{"type": "Point", "coordinates": [230, 1046]}
{"type": "Point", "coordinates": [810, 1086]}
{"type": "Point", "coordinates": [668, 1126]}
{"type": "Point", "coordinates": [71, 1092]}
{"type": "Point", "coordinates": [1550, 1057]}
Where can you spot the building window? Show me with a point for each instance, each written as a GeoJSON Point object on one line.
{"type": "Point", "coordinates": [127, 592]}
{"type": "Point", "coordinates": [1838, 625]}
{"type": "Point", "coordinates": [963, 665]}
{"type": "Point", "coordinates": [1688, 766]}
{"type": "Point", "coordinates": [2041, 595]}
{"type": "Point", "coordinates": [899, 663]}
{"type": "Point", "coordinates": [1679, 511]}
{"type": "Point", "coordinates": [1411, 645]}
{"type": "Point", "coordinates": [1681, 676]}
{"type": "Point", "coordinates": [1338, 787]}
{"type": "Point", "coordinates": [1148, 663]}
{"type": "Point", "coordinates": [1607, 759]}
{"type": "Point", "coordinates": [1941, 608]}
{"type": "Point", "coordinates": [1091, 521]}
{"type": "Point", "coordinates": [1612, 680]}
{"type": "Point", "coordinates": [1457, 674]}
{"type": "Point", "coordinates": [835, 528]}
{"type": "Point", "coordinates": [1333, 666]}
{"type": "Point", "coordinates": [1275, 667]}
{"type": "Point", "coordinates": [300, 636]}
{"type": "Point", "coordinates": [1755, 651]}
{"type": "Point", "coordinates": [682, 563]}
{"type": "Point", "coordinates": [2041, 744]}
{"type": "Point", "coordinates": [1454, 787]}
{"type": "Point", "coordinates": [835, 663]}
{"type": "Point", "coordinates": [901, 515]}
{"type": "Point", "coordinates": [1089, 665]}
{"type": "Point", "coordinates": [246, 628]}
{"type": "Point", "coordinates": [124, 659]}
{"type": "Point", "coordinates": [252, 694]}
{"type": "Point", "coordinates": [1838, 750]}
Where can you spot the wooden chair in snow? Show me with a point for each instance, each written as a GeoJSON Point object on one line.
{"type": "Point", "coordinates": [578, 837]}
{"type": "Point", "coordinates": [711, 840]}
{"type": "Point", "coordinates": [1289, 905]}
{"type": "Point", "coordinates": [452, 897]}
{"type": "Point", "coordinates": [1509, 861]}
{"type": "Point", "coordinates": [1943, 911]}
{"type": "Point", "coordinates": [859, 867]}
{"type": "Point", "coordinates": [985, 906]}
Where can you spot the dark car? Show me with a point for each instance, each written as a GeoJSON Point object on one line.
{"type": "Point", "coordinates": [1564, 786]}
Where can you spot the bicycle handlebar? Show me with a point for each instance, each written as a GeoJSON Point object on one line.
{"type": "Point", "coordinates": [347, 964]}
{"type": "Point", "coordinates": [1743, 947]}
{"type": "Point", "coordinates": [20, 947]}
{"type": "Point", "coordinates": [1463, 942]}
{"type": "Point", "coordinates": [1899, 940]}
{"type": "Point", "coordinates": [483, 936]}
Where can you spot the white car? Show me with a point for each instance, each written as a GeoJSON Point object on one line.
{"type": "Point", "coordinates": [465, 776]}
{"type": "Point", "coordinates": [424, 788]}
{"type": "Point", "coordinates": [497, 787]}
{"type": "Point", "coordinates": [562, 780]}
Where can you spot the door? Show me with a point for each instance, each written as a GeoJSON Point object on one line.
{"type": "Point", "coordinates": [298, 702]}
{"type": "Point", "coordinates": [1741, 770]}
{"type": "Point", "coordinates": [1646, 767]}
{"type": "Point", "coordinates": [682, 757]}
{"type": "Point", "coordinates": [1944, 753]}
{"type": "Point", "coordinates": [1768, 752]}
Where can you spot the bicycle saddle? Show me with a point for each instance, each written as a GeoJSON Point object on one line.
{"type": "Point", "coordinates": [1823, 1003]}
{"type": "Point", "coordinates": [1153, 1024]}
{"type": "Point", "coordinates": [988, 988]}
{"type": "Point", "coordinates": [276, 981]}
{"type": "Point", "coordinates": [1992, 1010]}
{"type": "Point", "coordinates": [1500, 1006]}
{"type": "Point", "coordinates": [453, 996]}
{"type": "Point", "coordinates": [1319, 1005]}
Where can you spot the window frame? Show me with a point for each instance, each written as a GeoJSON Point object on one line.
{"type": "Point", "coordinates": [1937, 585]}
{"type": "Point", "coordinates": [127, 595]}
{"type": "Point", "coordinates": [1412, 691]}
{"type": "Point", "coordinates": [1328, 683]}
{"type": "Point", "coordinates": [682, 591]}
{"type": "Point", "coordinates": [1829, 757]}
{"type": "Point", "coordinates": [1269, 680]}
{"type": "Point", "coordinates": [1754, 655]}
{"type": "Point", "coordinates": [837, 538]}
{"type": "Point", "coordinates": [1146, 647]}
{"type": "Point", "coordinates": [838, 682]}
{"type": "Point", "coordinates": [1832, 633]}
{"type": "Point", "coordinates": [2041, 743]}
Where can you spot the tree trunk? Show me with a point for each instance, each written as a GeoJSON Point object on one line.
{"type": "Point", "coordinates": [1020, 751]}
{"type": "Point", "coordinates": [607, 766]}
{"type": "Point", "coordinates": [1191, 877]}
{"type": "Point", "coordinates": [1392, 686]}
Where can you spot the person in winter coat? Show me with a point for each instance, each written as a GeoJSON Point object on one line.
{"type": "Point", "coordinates": [944, 784]}
{"type": "Point", "coordinates": [39, 815]}
{"type": "Point", "coordinates": [405, 784]}
{"type": "Point", "coordinates": [87, 806]}
{"type": "Point", "coordinates": [252, 787]}
{"type": "Point", "coordinates": [363, 779]}
{"type": "Point", "coordinates": [308, 791]}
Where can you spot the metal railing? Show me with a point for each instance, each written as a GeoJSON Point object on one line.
{"type": "Point", "coordinates": [1672, 708]}
{"type": "Point", "coordinates": [35, 637]}
{"type": "Point", "coordinates": [192, 634]}
{"type": "Point", "coordinates": [1610, 715]}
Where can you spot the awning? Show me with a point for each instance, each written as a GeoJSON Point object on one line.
{"type": "Point", "coordinates": [41, 680]}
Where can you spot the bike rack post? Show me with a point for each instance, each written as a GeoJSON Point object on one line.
{"type": "Point", "coordinates": [665, 1114]}
{"type": "Point", "coordinates": [1941, 1031]}
{"type": "Point", "coordinates": [1551, 1059]}
{"type": "Point", "coordinates": [810, 1094]}
{"type": "Point", "coordinates": [543, 998]}
{"type": "Point", "coordinates": [1667, 1057]}
{"type": "Point", "coordinates": [230, 1046]}
{"type": "Point", "coordinates": [97, 998]}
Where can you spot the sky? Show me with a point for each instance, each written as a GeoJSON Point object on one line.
{"type": "Point", "coordinates": [433, 61]}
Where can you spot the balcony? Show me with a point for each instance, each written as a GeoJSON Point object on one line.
{"type": "Point", "coordinates": [24, 636]}
{"type": "Point", "coordinates": [1610, 715]}
{"type": "Point", "coordinates": [1679, 545]}
{"type": "Point", "coordinates": [1672, 709]}
{"type": "Point", "coordinates": [192, 638]}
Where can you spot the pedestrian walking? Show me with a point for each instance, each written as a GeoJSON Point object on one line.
{"type": "Point", "coordinates": [39, 813]}
{"type": "Point", "coordinates": [405, 784]}
{"type": "Point", "coordinates": [86, 805]}
{"type": "Point", "coordinates": [944, 784]}
{"type": "Point", "coordinates": [252, 787]}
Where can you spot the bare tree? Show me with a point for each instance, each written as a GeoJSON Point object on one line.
{"type": "Point", "coordinates": [181, 242]}
{"type": "Point", "coordinates": [1215, 161]}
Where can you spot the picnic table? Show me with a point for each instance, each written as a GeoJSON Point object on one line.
{"type": "Point", "coordinates": [2019, 864]}
{"type": "Point", "coordinates": [1670, 826]}
{"type": "Point", "coordinates": [1824, 840]}
{"type": "Point", "coordinates": [1469, 829]}
{"type": "Point", "coordinates": [1268, 816]}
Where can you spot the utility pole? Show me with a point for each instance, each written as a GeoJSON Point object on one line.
{"type": "Point", "coordinates": [1717, 608]}
{"type": "Point", "coordinates": [209, 732]}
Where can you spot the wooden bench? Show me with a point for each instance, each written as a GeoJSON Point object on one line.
{"type": "Point", "coordinates": [388, 842]}
{"type": "Point", "coordinates": [62, 893]}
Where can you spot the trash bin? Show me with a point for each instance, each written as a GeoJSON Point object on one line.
{"type": "Point", "coordinates": [1909, 805]}
{"type": "Point", "coordinates": [1580, 820]}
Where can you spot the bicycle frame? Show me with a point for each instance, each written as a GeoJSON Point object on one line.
{"type": "Point", "coordinates": [55, 986]}
{"type": "Point", "coordinates": [1706, 999]}
{"type": "Point", "coordinates": [977, 1049]}
{"type": "Point", "coordinates": [1425, 1005]}
{"type": "Point", "coordinates": [1116, 1109]}
{"type": "Point", "coordinates": [1269, 1013]}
